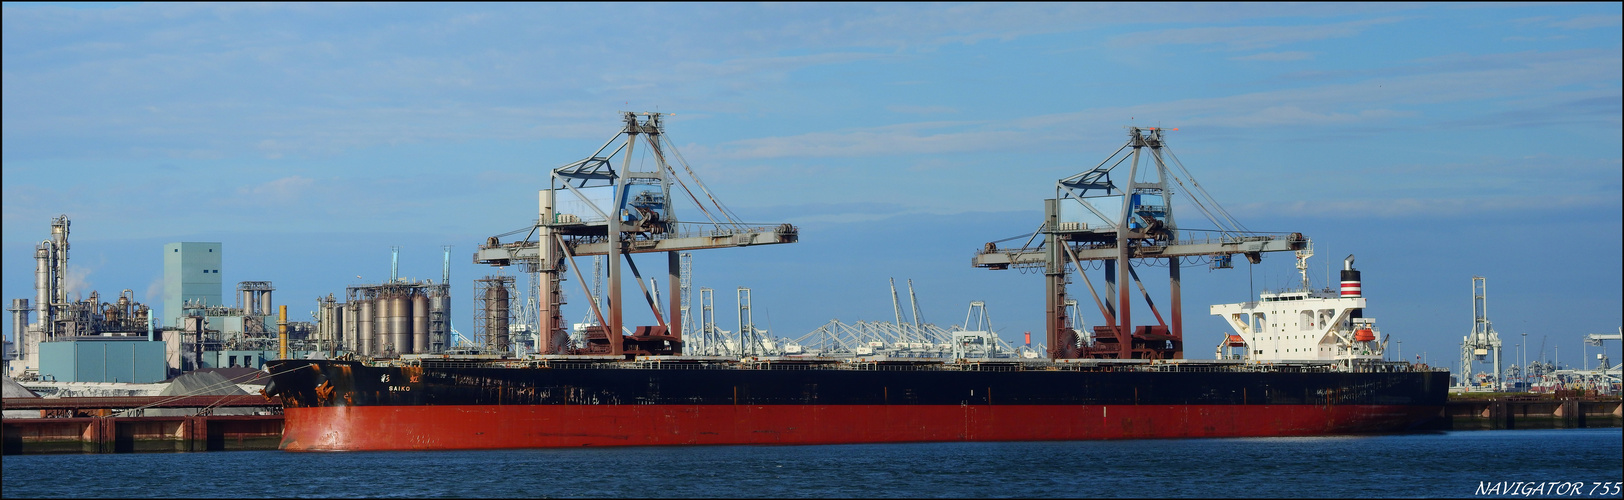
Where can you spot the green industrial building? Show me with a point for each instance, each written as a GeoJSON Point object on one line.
{"type": "Point", "coordinates": [112, 359]}
{"type": "Point", "coordinates": [191, 274]}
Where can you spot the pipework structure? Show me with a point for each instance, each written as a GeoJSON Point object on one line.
{"type": "Point", "coordinates": [254, 298]}
{"type": "Point", "coordinates": [640, 218]}
{"type": "Point", "coordinates": [1080, 227]}
{"type": "Point", "coordinates": [59, 317]}
{"type": "Point", "coordinates": [493, 312]}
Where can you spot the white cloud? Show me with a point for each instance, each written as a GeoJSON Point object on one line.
{"type": "Point", "coordinates": [277, 192]}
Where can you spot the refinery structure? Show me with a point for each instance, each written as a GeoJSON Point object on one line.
{"type": "Point", "coordinates": [57, 338]}
{"type": "Point", "coordinates": [59, 323]}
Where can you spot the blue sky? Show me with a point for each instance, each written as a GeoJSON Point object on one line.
{"type": "Point", "coordinates": [1436, 142]}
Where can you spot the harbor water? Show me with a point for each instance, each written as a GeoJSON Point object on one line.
{"type": "Point", "coordinates": [1435, 464]}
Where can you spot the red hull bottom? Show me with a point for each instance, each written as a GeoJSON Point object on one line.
{"type": "Point", "coordinates": [549, 426]}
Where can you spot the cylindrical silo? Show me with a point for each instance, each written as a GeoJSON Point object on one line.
{"type": "Point", "coordinates": [365, 325]}
{"type": "Point", "coordinates": [496, 320]}
{"type": "Point", "coordinates": [324, 320]}
{"type": "Point", "coordinates": [19, 326]}
{"type": "Point", "coordinates": [383, 325]}
{"type": "Point", "coordinates": [420, 323]}
{"type": "Point", "coordinates": [351, 313]}
{"type": "Point", "coordinates": [336, 331]}
{"type": "Point", "coordinates": [265, 302]}
{"type": "Point", "coordinates": [42, 286]}
{"type": "Point", "coordinates": [331, 317]}
{"type": "Point", "coordinates": [249, 306]}
{"type": "Point", "coordinates": [401, 321]}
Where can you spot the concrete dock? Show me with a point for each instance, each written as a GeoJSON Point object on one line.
{"type": "Point", "coordinates": [120, 424]}
{"type": "Point", "coordinates": [1491, 411]}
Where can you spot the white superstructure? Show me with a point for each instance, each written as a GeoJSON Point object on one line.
{"type": "Point", "coordinates": [1303, 325]}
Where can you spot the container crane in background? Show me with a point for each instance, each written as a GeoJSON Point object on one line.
{"type": "Point", "coordinates": [1483, 341]}
{"type": "Point", "coordinates": [640, 219]}
{"type": "Point", "coordinates": [1140, 227]}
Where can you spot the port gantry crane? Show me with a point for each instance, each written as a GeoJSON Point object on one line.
{"type": "Point", "coordinates": [1143, 229]}
{"type": "Point", "coordinates": [640, 219]}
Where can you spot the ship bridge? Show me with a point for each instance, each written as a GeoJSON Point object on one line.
{"type": "Point", "coordinates": [1304, 324]}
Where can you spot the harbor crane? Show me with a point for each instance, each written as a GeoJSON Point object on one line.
{"type": "Point", "coordinates": [1602, 364]}
{"type": "Point", "coordinates": [1483, 341]}
{"type": "Point", "coordinates": [1140, 227]}
{"type": "Point", "coordinates": [640, 219]}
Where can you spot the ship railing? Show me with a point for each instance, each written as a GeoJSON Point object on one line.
{"type": "Point", "coordinates": [1372, 366]}
{"type": "Point", "coordinates": [459, 364]}
{"type": "Point", "coordinates": [991, 367]}
{"type": "Point", "coordinates": [685, 230]}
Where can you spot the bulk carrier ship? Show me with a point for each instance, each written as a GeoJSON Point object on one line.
{"type": "Point", "coordinates": [1299, 363]}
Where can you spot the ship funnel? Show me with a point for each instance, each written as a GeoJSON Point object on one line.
{"type": "Point", "coordinates": [1351, 285]}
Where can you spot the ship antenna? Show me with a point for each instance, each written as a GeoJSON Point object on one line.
{"type": "Point", "coordinates": [1302, 262]}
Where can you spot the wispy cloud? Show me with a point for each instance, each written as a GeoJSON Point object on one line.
{"type": "Point", "coordinates": [1384, 207]}
{"type": "Point", "coordinates": [909, 138]}
{"type": "Point", "coordinates": [920, 110]}
{"type": "Point", "coordinates": [1589, 22]}
{"type": "Point", "coordinates": [1378, 98]}
{"type": "Point", "coordinates": [1276, 56]}
{"type": "Point", "coordinates": [280, 191]}
{"type": "Point", "coordinates": [1247, 37]}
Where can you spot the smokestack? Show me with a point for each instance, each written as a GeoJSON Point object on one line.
{"type": "Point", "coordinates": [282, 331]}
{"type": "Point", "coordinates": [1352, 287]}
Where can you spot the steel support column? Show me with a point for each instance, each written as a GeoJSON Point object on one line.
{"type": "Point", "coordinates": [1176, 325]}
{"type": "Point", "coordinates": [673, 265]}
{"type": "Point", "coordinates": [617, 242]}
{"type": "Point", "coordinates": [1124, 333]}
{"type": "Point", "coordinates": [1062, 345]}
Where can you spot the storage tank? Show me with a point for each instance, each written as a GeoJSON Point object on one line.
{"type": "Point", "coordinates": [351, 312]}
{"type": "Point", "coordinates": [496, 320]}
{"type": "Point", "coordinates": [19, 326]}
{"type": "Point", "coordinates": [332, 328]}
{"type": "Point", "coordinates": [420, 323]}
{"type": "Point", "coordinates": [42, 287]}
{"type": "Point", "coordinates": [365, 327]}
{"type": "Point", "coordinates": [265, 306]}
{"type": "Point", "coordinates": [400, 321]}
{"type": "Point", "coordinates": [383, 325]}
